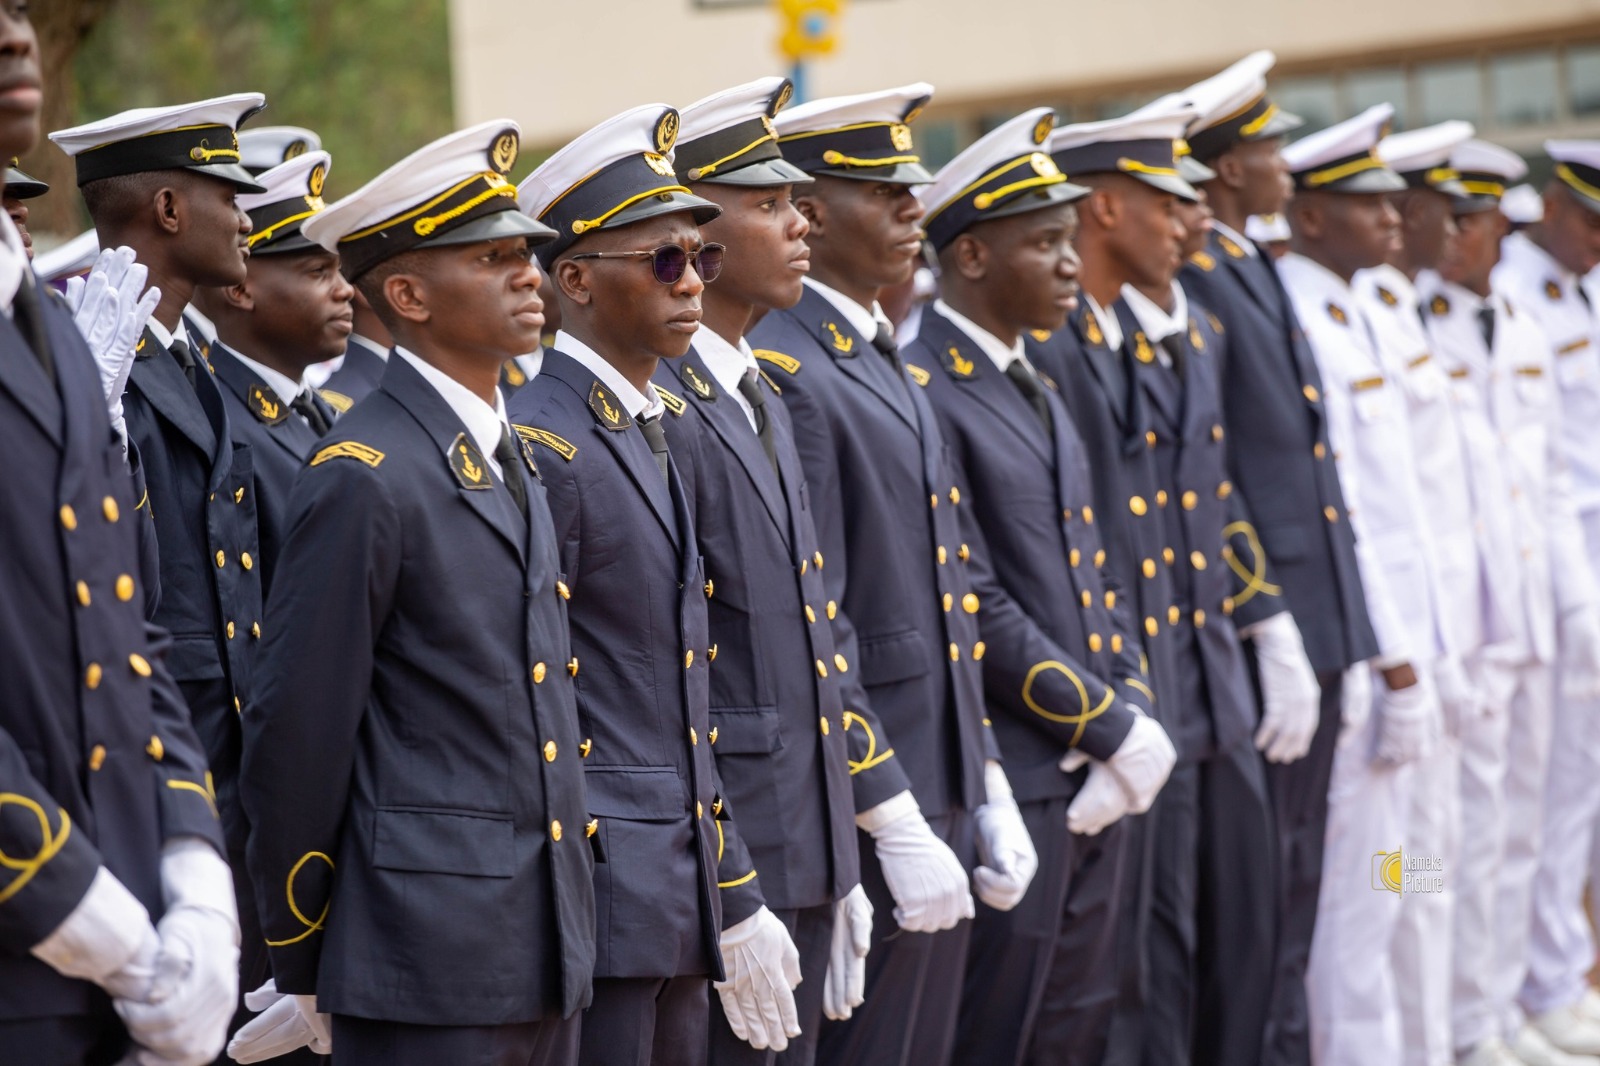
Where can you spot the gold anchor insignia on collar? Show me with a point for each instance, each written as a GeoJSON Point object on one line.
{"type": "Point", "coordinates": [1336, 313]}
{"type": "Point", "coordinates": [1040, 335]}
{"type": "Point", "coordinates": [958, 365]}
{"type": "Point", "coordinates": [1439, 305]}
{"type": "Point", "coordinates": [514, 375]}
{"type": "Point", "coordinates": [607, 408]}
{"type": "Point", "coordinates": [470, 468]}
{"type": "Point", "coordinates": [842, 344]}
{"type": "Point", "coordinates": [1230, 246]}
{"type": "Point", "coordinates": [1552, 289]}
{"type": "Point", "coordinates": [1091, 329]}
{"type": "Point", "coordinates": [1203, 260]}
{"type": "Point", "coordinates": [700, 385]}
{"type": "Point", "coordinates": [1142, 350]}
{"type": "Point", "coordinates": [1197, 339]}
{"type": "Point", "coordinates": [266, 408]}
{"type": "Point", "coordinates": [1387, 297]}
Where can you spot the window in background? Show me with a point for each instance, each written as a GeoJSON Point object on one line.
{"type": "Point", "coordinates": [1377, 85]}
{"type": "Point", "coordinates": [1523, 87]}
{"type": "Point", "coordinates": [937, 142]}
{"type": "Point", "coordinates": [1447, 90]}
{"type": "Point", "coordinates": [1583, 79]}
{"type": "Point", "coordinates": [1313, 99]}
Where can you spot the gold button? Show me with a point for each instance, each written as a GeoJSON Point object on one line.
{"type": "Point", "coordinates": [245, 560]}
{"type": "Point", "coordinates": [1137, 505]}
{"type": "Point", "coordinates": [1149, 568]}
{"type": "Point", "coordinates": [140, 664]}
{"type": "Point", "coordinates": [978, 649]}
{"type": "Point", "coordinates": [963, 553]}
{"type": "Point", "coordinates": [1216, 431]}
{"type": "Point", "coordinates": [237, 707]}
{"type": "Point", "coordinates": [933, 501]}
{"type": "Point", "coordinates": [833, 610]}
{"type": "Point", "coordinates": [699, 809]}
{"type": "Point", "coordinates": [586, 747]}
{"type": "Point", "coordinates": [712, 736]}
{"type": "Point", "coordinates": [1086, 597]}
{"type": "Point", "coordinates": [955, 494]}
{"type": "Point", "coordinates": [1224, 490]}
{"type": "Point", "coordinates": [1330, 513]}
{"type": "Point", "coordinates": [255, 630]}
{"type": "Point", "coordinates": [83, 593]}
{"type": "Point", "coordinates": [1319, 450]}
{"type": "Point", "coordinates": [155, 749]}
{"type": "Point", "coordinates": [1111, 599]}
{"type": "Point", "coordinates": [1151, 626]}
{"type": "Point", "coordinates": [949, 601]}
{"type": "Point", "coordinates": [1074, 557]}
{"type": "Point", "coordinates": [822, 668]}
{"type": "Point", "coordinates": [1227, 606]}
{"type": "Point", "coordinates": [125, 588]}
{"type": "Point", "coordinates": [839, 663]}
{"type": "Point", "coordinates": [109, 508]}
{"type": "Point", "coordinates": [221, 560]}
{"type": "Point", "coordinates": [562, 590]}
{"type": "Point", "coordinates": [804, 564]}
{"type": "Point", "coordinates": [1191, 500]}
{"type": "Point", "coordinates": [711, 586]}
{"type": "Point", "coordinates": [955, 653]}
{"type": "Point", "coordinates": [69, 518]}
{"type": "Point", "coordinates": [1066, 515]}
{"type": "Point", "coordinates": [1310, 393]}
{"type": "Point", "coordinates": [572, 666]}
{"type": "Point", "coordinates": [230, 630]}
{"type": "Point", "coordinates": [688, 658]}
{"type": "Point", "coordinates": [555, 830]}
{"type": "Point", "coordinates": [1199, 619]}
{"type": "Point", "coordinates": [1116, 643]}
{"type": "Point", "coordinates": [969, 603]}
{"type": "Point", "coordinates": [91, 676]}
{"type": "Point", "coordinates": [592, 828]}
{"type": "Point", "coordinates": [711, 654]}
{"type": "Point", "coordinates": [811, 616]}
{"type": "Point", "coordinates": [824, 726]}
{"type": "Point", "coordinates": [1150, 438]}
{"type": "Point", "coordinates": [539, 671]}
{"type": "Point", "coordinates": [549, 751]}
{"type": "Point", "coordinates": [1173, 614]}
{"type": "Point", "coordinates": [1088, 516]}
{"type": "Point", "coordinates": [238, 494]}
{"type": "Point", "coordinates": [97, 757]}
{"type": "Point", "coordinates": [1197, 560]}
{"type": "Point", "coordinates": [694, 737]}
{"type": "Point", "coordinates": [941, 555]}
{"type": "Point", "coordinates": [1100, 558]}
{"type": "Point", "coordinates": [1095, 642]}
{"type": "Point", "coordinates": [1169, 556]}
{"type": "Point", "coordinates": [816, 557]}
{"type": "Point", "coordinates": [1161, 497]}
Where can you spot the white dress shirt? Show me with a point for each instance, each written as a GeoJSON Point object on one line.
{"type": "Point", "coordinates": [1110, 325]}
{"type": "Point", "coordinates": [728, 365]}
{"type": "Point", "coordinates": [634, 402]}
{"type": "Point", "coordinates": [485, 423]}
{"type": "Point", "coordinates": [13, 263]}
{"type": "Point", "coordinates": [987, 342]}
{"type": "Point", "coordinates": [864, 320]}
{"type": "Point", "coordinates": [1159, 324]}
{"type": "Point", "coordinates": [285, 386]}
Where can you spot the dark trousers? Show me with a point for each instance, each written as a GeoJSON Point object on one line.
{"type": "Point", "coordinates": [1299, 794]}
{"type": "Point", "coordinates": [647, 1021]}
{"type": "Point", "coordinates": [93, 1039]}
{"type": "Point", "coordinates": [365, 1042]}
{"type": "Point", "coordinates": [913, 979]}
{"type": "Point", "coordinates": [1126, 1028]}
{"type": "Point", "coordinates": [1040, 982]}
{"type": "Point", "coordinates": [1237, 902]}
{"type": "Point", "coordinates": [812, 930]}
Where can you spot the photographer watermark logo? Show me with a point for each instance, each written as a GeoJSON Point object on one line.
{"type": "Point", "coordinates": [1394, 871]}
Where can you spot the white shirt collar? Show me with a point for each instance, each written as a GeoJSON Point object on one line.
{"type": "Point", "coordinates": [531, 363]}
{"type": "Point", "coordinates": [1521, 246]}
{"type": "Point", "coordinates": [863, 320]}
{"type": "Point", "coordinates": [13, 263]}
{"type": "Point", "coordinates": [1110, 325]}
{"type": "Point", "coordinates": [166, 336]}
{"type": "Point", "coordinates": [370, 345]}
{"type": "Point", "coordinates": [1156, 322]}
{"type": "Point", "coordinates": [484, 423]}
{"type": "Point", "coordinates": [1238, 238]}
{"type": "Point", "coordinates": [728, 364]}
{"type": "Point", "coordinates": [992, 346]}
{"type": "Point", "coordinates": [634, 402]}
{"type": "Point", "coordinates": [286, 387]}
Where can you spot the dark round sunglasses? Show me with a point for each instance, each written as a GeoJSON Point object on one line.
{"type": "Point", "coordinates": [671, 261]}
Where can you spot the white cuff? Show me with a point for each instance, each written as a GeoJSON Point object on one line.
{"type": "Point", "coordinates": [194, 875]}
{"type": "Point", "coordinates": [995, 783]}
{"type": "Point", "coordinates": [892, 809]}
{"type": "Point", "coordinates": [102, 934]}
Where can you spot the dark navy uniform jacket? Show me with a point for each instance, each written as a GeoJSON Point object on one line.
{"type": "Point", "coordinates": [776, 718]}
{"type": "Point", "coordinates": [1183, 405]}
{"type": "Point", "coordinates": [1108, 410]}
{"type": "Point", "coordinates": [203, 500]}
{"type": "Point", "coordinates": [280, 442]}
{"type": "Point", "coordinates": [413, 769]}
{"type": "Point", "coordinates": [356, 377]}
{"type": "Point", "coordinates": [1062, 661]}
{"type": "Point", "coordinates": [638, 611]}
{"type": "Point", "coordinates": [1280, 457]}
{"type": "Point", "coordinates": [98, 762]}
{"type": "Point", "coordinates": [886, 508]}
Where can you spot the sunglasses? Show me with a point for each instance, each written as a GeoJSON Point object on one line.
{"type": "Point", "coordinates": [671, 261]}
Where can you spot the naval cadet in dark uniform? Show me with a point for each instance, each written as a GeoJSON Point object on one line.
{"type": "Point", "coordinates": [293, 310]}
{"type": "Point", "coordinates": [1292, 538]}
{"type": "Point", "coordinates": [776, 716]}
{"type": "Point", "coordinates": [412, 771]}
{"type": "Point", "coordinates": [680, 903]}
{"type": "Point", "coordinates": [108, 822]}
{"type": "Point", "coordinates": [887, 514]}
{"type": "Point", "coordinates": [366, 353]}
{"type": "Point", "coordinates": [1062, 677]}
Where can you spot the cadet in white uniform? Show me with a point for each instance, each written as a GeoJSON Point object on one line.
{"type": "Point", "coordinates": [1342, 223]}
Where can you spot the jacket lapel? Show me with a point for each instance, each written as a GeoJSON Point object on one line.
{"type": "Point", "coordinates": [984, 382]}
{"type": "Point", "coordinates": [854, 354]}
{"type": "Point", "coordinates": [23, 377]}
{"type": "Point", "coordinates": [290, 432]}
{"type": "Point", "coordinates": [159, 379]}
{"type": "Point", "coordinates": [1255, 274]}
{"type": "Point", "coordinates": [1107, 366]}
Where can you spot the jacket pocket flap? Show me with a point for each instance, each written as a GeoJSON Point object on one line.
{"type": "Point", "coordinates": [746, 730]}
{"type": "Point", "coordinates": [893, 657]}
{"type": "Point", "coordinates": [639, 793]}
{"type": "Point", "coordinates": [471, 843]}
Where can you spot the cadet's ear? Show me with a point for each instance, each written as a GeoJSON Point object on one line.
{"type": "Point", "coordinates": [813, 210]}
{"type": "Point", "coordinates": [572, 282]}
{"type": "Point", "coordinates": [1102, 206]}
{"type": "Point", "coordinates": [1307, 218]}
{"type": "Point", "coordinates": [969, 256]}
{"type": "Point", "coordinates": [167, 210]}
{"type": "Point", "coordinates": [239, 297]}
{"type": "Point", "coordinates": [1229, 168]}
{"type": "Point", "coordinates": [407, 297]}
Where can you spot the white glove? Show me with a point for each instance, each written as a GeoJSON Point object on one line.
{"type": "Point", "coordinates": [1458, 700]}
{"type": "Point", "coordinates": [111, 314]}
{"type": "Point", "coordinates": [924, 876]}
{"type": "Point", "coordinates": [185, 1018]}
{"type": "Point", "coordinates": [282, 1024]}
{"type": "Point", "coordinates": [107, 939]}
{"type": "Point", "coordinates": [1005, 849]}
{"type": "Point", "coordinates": [845, 987]}
{"type": "Point", "coordinates": [1099, 803]}
{"type": "Point", "coordinates": [1142, 762]}
{"type": "Point", "coordinates": [763, 968]}
{"type": "Point", "coordinates": [1355, 698]}
{"type": "Point", "coordinates": [1408, 721]}
{"type": "Point", "coordinates": [1290, 695]}
{"type": "Point", "coordinates": [1580, 655]}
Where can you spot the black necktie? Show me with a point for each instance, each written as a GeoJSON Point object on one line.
{"type": "Point", "coordinates": [656, 437]}
{"type": "Point", "coordinates": [1031, 390]}
{"type": "Point", "coordinates": [1174, 349]}
{"type": "Point", "coordinates": [511, 472]}
{"type": "Point", "coordinates": [884, 341]}
{"type": "Point", "coordinates": [180, 351]}
{"type": "Point", "coordinates": [1486, 326]}
{"type": "Point", "coordinates": [307, 408]}
{"type": "Point", "coordinates": [750, 389]}
{"type": "Point", "coordinates": [29, 320]}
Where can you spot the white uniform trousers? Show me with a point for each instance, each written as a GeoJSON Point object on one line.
{"type": "Point", "coordinates": [1423, 935]}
